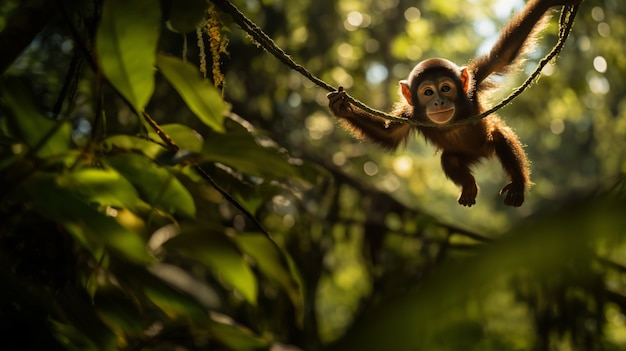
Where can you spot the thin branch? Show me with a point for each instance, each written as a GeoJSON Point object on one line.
{"type": "Point", "coordinates": [567, 19]}
{"type": "Point", "coordinates": [169, 142]}
{"type": "Point", "coordinates": [566, 22]}
{"type": "Point", "coordinates": [368, 190]}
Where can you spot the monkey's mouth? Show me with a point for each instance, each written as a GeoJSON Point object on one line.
{"type": "Point", "coordinates": [441, 116]}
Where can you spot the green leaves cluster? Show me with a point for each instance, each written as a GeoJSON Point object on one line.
{"type": "Point", "coordinates": [124, 236]}
{"type": "Point", "coordinates": [126, 43]}
{"type": "Point", "coordinates": [150, 243]}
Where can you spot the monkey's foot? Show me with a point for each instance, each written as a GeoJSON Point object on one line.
{"type": "Point", "coordinates": [514, 194]}
{"type": "Point", "coordinates": [468, 195]}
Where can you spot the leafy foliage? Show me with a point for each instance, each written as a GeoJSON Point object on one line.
{"type": "Point", "coordinates": [197, 94]}
{"type": "Point", "coordinates": [144, 209]}
{"type": "Point", "coordinates": [126, 42]}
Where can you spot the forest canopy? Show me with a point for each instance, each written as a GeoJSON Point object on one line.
{"type": "Point", "coordinates": [168, 184]}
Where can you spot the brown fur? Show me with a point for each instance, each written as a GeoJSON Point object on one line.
{"type": "Point", "coordinates": [465, 145]}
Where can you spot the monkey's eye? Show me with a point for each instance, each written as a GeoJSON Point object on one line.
{"type": "Point", "coordinates": [428, 92]}
{"type": "Point", "coordinates": [445, 88]}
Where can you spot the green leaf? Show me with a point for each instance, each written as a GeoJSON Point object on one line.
{"type": "Point", "coordinates": [155, 184]}
{"type": "Point", "coordinates": [102, 186]}
{"type": "Point", "coordinates": [73, 338]}
{"type": "Point", "coordinates": [90, 227]}
{"type": "Point", "coordinates": [203, 99]}
{"type": "Point", "coordinates": [272, 262]}
{"type": "Point", "coordinates": [77, 309]}
{"type": "Point", "coordinates": [174, 303]}
{"type": "Point", "coordinates": [126, 43]}
{"type": "Point", "coordinates": [50, 137]}
{"type": "Point", "coordinates": [216, 251]}
{"type": "Point", "coordinates": [240, 150]}
{"type": "Point", "coordinates": [237, 338]}
{"type": "Point", "coordinates": [185, 137]}
{"type": "Point", "coordinates": [130, 143]}
{"type": "Point", "coordinates": [117, 311]}
{"type": "Point", "coordinates": [187, 282]}
{"type": "Point", "coordinates": [542, 246]}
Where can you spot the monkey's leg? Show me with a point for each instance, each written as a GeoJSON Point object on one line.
{"type": "Point", "coordinates": [457, 169]}
{"type": "Point", "coordinates": [511, 154]}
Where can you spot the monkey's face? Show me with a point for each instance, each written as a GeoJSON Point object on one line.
{"type": "Point", "coordinates": [437, 88]}
{"type": "Point", "coordinates": [437, 97]}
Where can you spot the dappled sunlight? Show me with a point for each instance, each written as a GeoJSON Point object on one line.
{"type": "Point", "coordinates": [319, 125]}
{"type": "Point", "coordinates": [557, 126]}
{"type": "Point", "coordinates": [390, 183]}
{"type": "Point", "coordinates": [598, 85]}
{"type": "Point", "coordinates": [403, 166]}
{"type": "Point", "coordinates": [171, 184]}
{"type": "Point", "coordinates": [339, 158]}
{"type": "Point", "coordinates": [412, 14]}
{"type": "Point", "coordinates": [342, 77]}
{"type": "Point", "coordinates": [376, 73]}
{"type": "Point", "coordinates": [370, 168]}
{"type": "Point", "coordinates": [599, 63]}
{"type": "Point", "coordinates": [355, 20]}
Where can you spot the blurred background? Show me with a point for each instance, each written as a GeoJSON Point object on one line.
{"type": "Point", "coordinates": [369, 249]}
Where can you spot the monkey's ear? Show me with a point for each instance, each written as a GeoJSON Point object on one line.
{"type": "Point", "coordinates": [406, 91]}
{"type": "Point", "coordinates": [465, 79]}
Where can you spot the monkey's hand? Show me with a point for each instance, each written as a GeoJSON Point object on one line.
{"type": "Point", "coordinates": [514, 194]}
{"type": "Point", "coordinates": [339, 104]}
{"type": "Point", "coordinates": [468, 195]}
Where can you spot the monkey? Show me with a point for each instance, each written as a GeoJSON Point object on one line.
{"type": "Point", "coordinates": [441, 92]}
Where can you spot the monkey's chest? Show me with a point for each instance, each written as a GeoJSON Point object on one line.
{"type": "Point", "coordinates": [469, 140]}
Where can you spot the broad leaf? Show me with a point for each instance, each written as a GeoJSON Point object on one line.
{"type": "Point", "coordinates": [102, 186]}
{"type": "Point", "coordinates": [126, 44]}
{"type": "Point", "coordinates": [216, 251]}
{"type": "Point", "coordinates": [240, 150]}
{"type": "Point", "coordinates": [204, 100]}
{"type": "Point", "coordinates": [117, 311]}
{"type": "Point", "coordinates": [90, 227]}
{"type": "Point", "coordinates": [541, 247]}
{"type": "Point", "coordinates": [237, 338]}
{"type": "Point", "coordinates": [174, 303]}
{"type": "Point", "coordinates": [155, 184]}
{"type": "Point", "coordinates": [272, 262]}
{"type": "Point", "coordinates": [132, 143]}
{"type": "Point", "coordinates": [90, 331]}
{"type": "Point", "coordinates": [187, 283]}
{"type": "Point", "coordinates": [185, 137]}
{"type": "Point", "coordinates": [49, 137]}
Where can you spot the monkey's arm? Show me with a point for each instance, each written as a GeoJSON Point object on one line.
{"type": "Point", "coordinates": [516, 39]}
{"type": "Point", "coordinates": [511, 154]}
{"type": "Point", "coordinates": [363, 125]}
